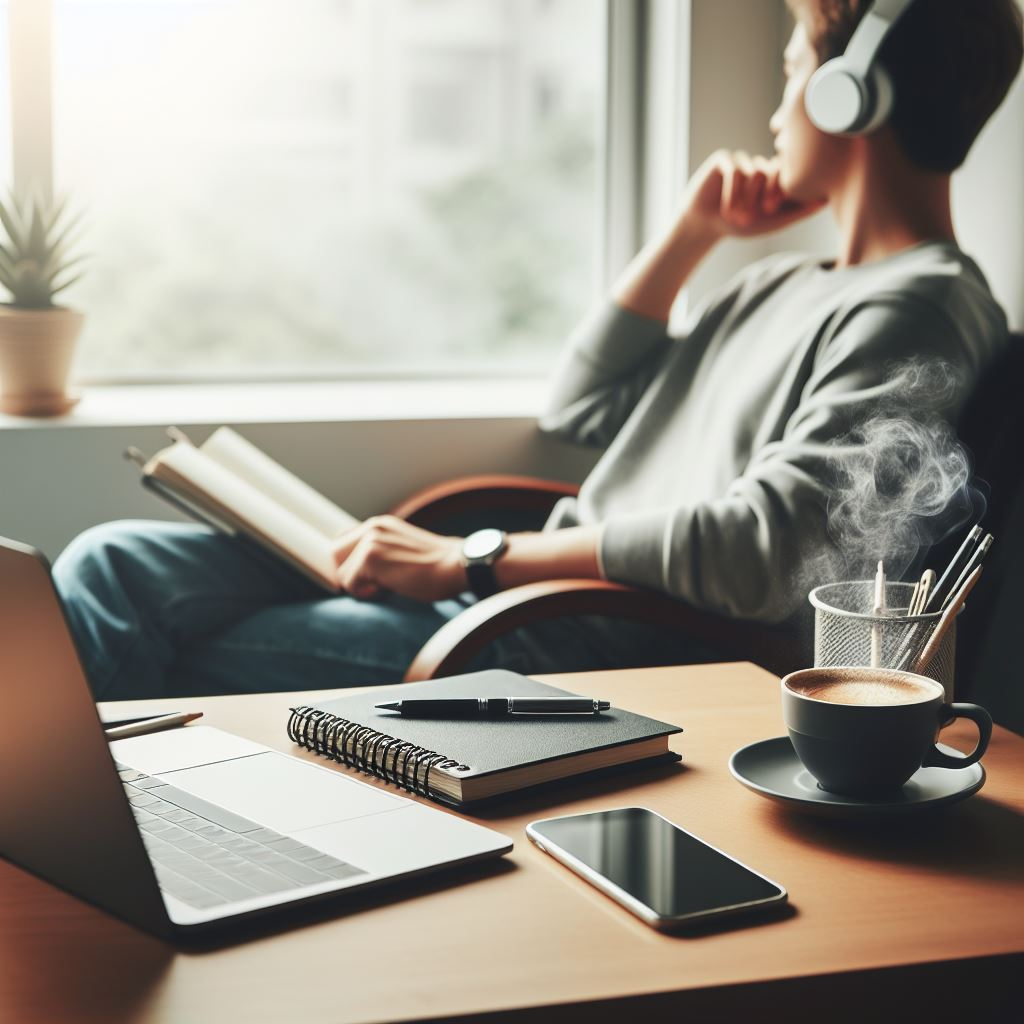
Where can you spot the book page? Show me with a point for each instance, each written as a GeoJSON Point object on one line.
{"type": "Point", "coordinates": [209, 483]}
{"type": "Point", "coordinates": [232, 451]}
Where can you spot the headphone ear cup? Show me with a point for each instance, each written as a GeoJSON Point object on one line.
{"type": "Point", "coordinates": [836, 98]}
{"type": "Point", "coordinates": [882, 94]}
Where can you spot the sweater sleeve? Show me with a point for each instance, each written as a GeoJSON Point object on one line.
{"type": "Point", "coordinates": [753, 552]}
{"type": "Point", "coordinates": [611, 358]}
{"type": "Point", "coordinates": [606, 366]}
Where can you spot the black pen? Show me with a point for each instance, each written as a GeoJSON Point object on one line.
{"type": "Point", "coordinates": [496, 707]}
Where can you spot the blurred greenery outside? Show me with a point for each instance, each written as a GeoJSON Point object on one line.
{"type": "Point", "coordinates": [490, 270]}
{"type": "Point", "coordinates": [248, 211]}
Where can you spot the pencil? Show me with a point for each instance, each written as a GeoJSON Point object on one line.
{"type": "Point", "coordinates": [956, 603]}
{"type": "Point", "coordinates": [148, 725]}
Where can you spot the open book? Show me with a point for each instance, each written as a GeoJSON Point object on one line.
{"type": "Point", "coordinates": [228, 483]}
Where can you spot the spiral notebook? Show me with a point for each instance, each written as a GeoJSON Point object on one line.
{"type": "Point", "coordinates": [465, 761]}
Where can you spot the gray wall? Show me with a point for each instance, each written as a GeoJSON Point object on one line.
{"type": "Point", "coordinates": [988, 203]}
{"type": "Point", "coordinates": [736, 82]}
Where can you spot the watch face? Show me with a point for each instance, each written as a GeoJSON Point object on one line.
{"type": "Point", "coordinates": [482, 544]}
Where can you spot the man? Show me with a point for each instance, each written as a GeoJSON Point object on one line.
{"type": "Point", "coordinates": [719, 445]}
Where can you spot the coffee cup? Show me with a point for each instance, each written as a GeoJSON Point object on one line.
{"type": "Point", "coordinates": [866, 731]}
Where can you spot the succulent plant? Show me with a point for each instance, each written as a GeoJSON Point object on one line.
{"type": "Point", "coordinates": [34, 257]}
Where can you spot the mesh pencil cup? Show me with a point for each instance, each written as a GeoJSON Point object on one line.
{"type": "Point", "coordinates": [848, 632]}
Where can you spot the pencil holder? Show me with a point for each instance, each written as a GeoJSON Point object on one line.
{"type": "Point", "coordinates": [848, 632]}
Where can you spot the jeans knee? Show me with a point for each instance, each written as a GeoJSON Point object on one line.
{"type": "Point", "coordinates": [96, 545]}
{"type": "Point", "coordinates": [105, 555]}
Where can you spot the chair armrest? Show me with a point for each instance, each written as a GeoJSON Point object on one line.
{"type": "Point", "coordinates": [460, 639]}
{"type": "Point", "coordinates": [481, 494]}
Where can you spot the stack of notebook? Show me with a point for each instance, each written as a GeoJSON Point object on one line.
{"type": "Point", "coordinates": [465, 761]}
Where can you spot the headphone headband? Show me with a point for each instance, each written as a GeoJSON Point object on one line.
{"type": "Point", "coordinates": [867, 39]}
{"type": "Point", "coordinates": [852, 94]}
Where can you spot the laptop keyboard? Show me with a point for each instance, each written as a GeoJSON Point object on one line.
{"type": "Point", "coordinates": [206, 855]}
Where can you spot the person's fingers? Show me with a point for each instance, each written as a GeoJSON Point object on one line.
{"type": "Point", "coordinates": [768, 198]}
{"type": "Point", "coordinates": [736, 199]}
{"type": "Point", "coordinates": [775, 189]}
{"type": "Point", "coordinates": [754, 206]}
{"type": "Point", "coordinates": [355, 573]}
{"type": "Point", "coordinates": [730, 176]}
{"type": "Point", "coordinates": [773, 197]}
{"type": "Point", "coordinates": [346, 542]}
{"type": "Point", "coordinates": [747, 193]}
{"type": "Point", "coordinates": [378, 528]}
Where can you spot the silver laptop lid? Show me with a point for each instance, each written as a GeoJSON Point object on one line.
{"type": "Point", "coordinates": [63, 812]}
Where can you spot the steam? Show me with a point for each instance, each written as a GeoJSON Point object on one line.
{"type": "Point", "coordinates": [902, 479]}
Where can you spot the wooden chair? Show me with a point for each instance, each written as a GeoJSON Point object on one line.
{"type": "Point", "coordinates": [523, 503]}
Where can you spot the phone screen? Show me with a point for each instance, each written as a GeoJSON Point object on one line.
{"type": "Point", "coordinates": [655, 862]}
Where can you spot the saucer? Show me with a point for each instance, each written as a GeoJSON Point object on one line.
{"type": "Point", "coordinates": [772, 769]}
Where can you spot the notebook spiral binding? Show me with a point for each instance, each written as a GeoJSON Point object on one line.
{"type": "Point", "coordinates": [367, 750]}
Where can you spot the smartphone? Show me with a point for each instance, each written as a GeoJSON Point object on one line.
{"type": "Point", "coordinates": [667, 877]}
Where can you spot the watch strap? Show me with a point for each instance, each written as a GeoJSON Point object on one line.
{"type": "Point", "coordinates": [481, 578]}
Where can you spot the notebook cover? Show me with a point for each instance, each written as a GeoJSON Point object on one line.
{"type": "Point", "coordinates": [490, 745]}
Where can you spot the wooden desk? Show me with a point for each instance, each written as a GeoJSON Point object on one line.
{"type": "Point", "coordinates": [927, 913]}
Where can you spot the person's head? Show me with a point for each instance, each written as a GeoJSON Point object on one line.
{"type": "Point", "coordinates": [951, 63]}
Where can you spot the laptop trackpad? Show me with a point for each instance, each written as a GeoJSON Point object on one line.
{"type": "Point", "coordinates": [283, 793]}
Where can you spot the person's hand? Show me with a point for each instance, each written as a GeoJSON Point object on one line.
{"type": "Point", "coordinates": [738, 194]}
{"type": "Point", "coordinates": [387, 553]}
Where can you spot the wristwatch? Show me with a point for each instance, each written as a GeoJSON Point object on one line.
{"type": "Point", "coordinates": [480, 551]}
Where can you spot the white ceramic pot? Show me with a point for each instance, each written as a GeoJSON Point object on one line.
{"type": "Point", "coordinates": [36, 349]}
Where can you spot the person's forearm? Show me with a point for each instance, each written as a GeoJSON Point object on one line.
{"type": "Point", "coordinates": [559, 554]}
{"type": "Point", "coordinates": [651, 282]}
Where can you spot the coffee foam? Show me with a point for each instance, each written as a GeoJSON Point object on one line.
{"type": "Point", "coordinates": [883, 690]}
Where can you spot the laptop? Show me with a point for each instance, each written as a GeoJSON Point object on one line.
{"type": "Point", "coordinates": [190, 828]}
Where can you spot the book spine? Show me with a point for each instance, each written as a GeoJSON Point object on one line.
{"type": "Point", "coordinates": [368, 750]}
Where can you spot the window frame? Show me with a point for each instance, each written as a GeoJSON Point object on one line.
{"type": "Point", "coordinates": [640, 160]}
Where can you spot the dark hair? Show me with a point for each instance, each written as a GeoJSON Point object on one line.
{"type": "Point", "coordinates": [951, 63]}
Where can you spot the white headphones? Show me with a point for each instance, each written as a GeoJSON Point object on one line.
{"type": "Point", "coordinates": [852, 94]}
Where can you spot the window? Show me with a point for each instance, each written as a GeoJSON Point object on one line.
{"type": "Point", "coordinates": [315, 187]}
{"type": "Point", "coordinates": [6, 171]}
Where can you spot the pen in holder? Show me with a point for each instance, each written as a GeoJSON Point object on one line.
{"type": "Point", "coordinates": [847, 631]}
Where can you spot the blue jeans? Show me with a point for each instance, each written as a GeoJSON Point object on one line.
{"type": "Point", "coordinates": [165, 609]}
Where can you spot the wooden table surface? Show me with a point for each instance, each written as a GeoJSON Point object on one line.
{"type": "Point", "coordinates": [926, 911]}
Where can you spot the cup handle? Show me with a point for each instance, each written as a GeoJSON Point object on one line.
{"type": "Point", "coordinates": [981, 718]}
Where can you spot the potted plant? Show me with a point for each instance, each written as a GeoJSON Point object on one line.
{"type": "Point", "coordinates": [37, 337]}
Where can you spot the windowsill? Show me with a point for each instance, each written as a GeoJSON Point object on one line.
{"type": "Point", "coordinates": [346, 401]}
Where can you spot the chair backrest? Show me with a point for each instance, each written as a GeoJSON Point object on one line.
{"type": "Point", "coordinates": [992, 428]}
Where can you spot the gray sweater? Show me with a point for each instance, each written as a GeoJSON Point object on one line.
{"type": "Point", "coordinates": [719, 444]}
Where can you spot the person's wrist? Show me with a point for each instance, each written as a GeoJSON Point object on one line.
{"type": "Point", "coordinates": [514, 567]}
{"type": "Point", "coordinates": [696, 231]}
{"type": "Point", "coordinates": [453, 567]}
